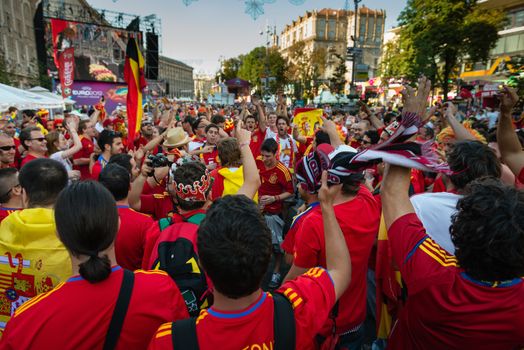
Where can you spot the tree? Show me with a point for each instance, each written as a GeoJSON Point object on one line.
{"type": "Point", "coordinates": [305, 67]}
{"type": "Point", "coordinates": [338, 80]}
{"type": "Point", "coordinates": [437, 35]}
{"type": "Point", "coordinates": [230, 68]}
{"type": "Point", "coordinates": [260, 63]}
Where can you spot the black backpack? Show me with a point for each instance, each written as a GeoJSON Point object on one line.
{"type": "Point", "coordinates": [184, 334]}
{"type": "Point", "coordinates": [175, 253]}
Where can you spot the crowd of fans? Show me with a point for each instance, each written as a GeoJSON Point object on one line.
{"type": "Point", "coordinates": [399, 227]}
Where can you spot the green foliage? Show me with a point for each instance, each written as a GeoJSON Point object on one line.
{"type": "Point", "coordinates": [338, 81]}
{"type": "Point", "coordinates": [437, 35]}
{"type": "Point", "coordinates": [305, 67]}
{"type": "Point", "coordinates": [230, 68]}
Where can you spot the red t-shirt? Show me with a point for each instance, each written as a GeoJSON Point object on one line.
{"type": "Point", "coordinates": [159, 188]}
{"type": "Point", "coordinates": [288, 245]}
{"type": "Point", "coordinates": [312, 296]}
{"type": "Point", "coordinates": [97, 169]}
{"type": "Point", "coordinates": [211, 157]}
{"type": "Point", "coordinates": [359, 220]}
{"type": "Point", "coordinates": [5, 212]}
{"type": "Point", "coordinates": [257, 138]}
{"type": "Point", "coordinates": [18, 156]}
{"type": "Point", "coordinates": [76, 314]}
{"type": "Point", "coordinates": [157, 205]}
{"type": "Point", "coordinates": [446, 308]}
{"type": "Point", "coordinates": [275, 181]}
{"type": "Point", "coordinates": [142, 141]}
{"type": "Point", "coordinates": [27, 159]}
{"type": "Point", "coordinates": [131, 238]}
{"type": "Point", "coordinates": [87, 149]}
{"type": "Point", "coordinates": [521, 176]}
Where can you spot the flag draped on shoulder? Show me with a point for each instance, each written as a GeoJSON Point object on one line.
{"type": "Point", "coordinates": [134, 76]}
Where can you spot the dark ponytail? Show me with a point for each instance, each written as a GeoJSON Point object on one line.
{"type": "Point", "coordinates": [96, 268]}
{"type": "Point", "coordinates": [87, 222]}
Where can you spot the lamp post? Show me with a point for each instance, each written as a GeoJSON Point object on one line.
{"type": "Point", "coordinates": [268, 31]}
{"type": "Point", "coordinates": [354, 63]}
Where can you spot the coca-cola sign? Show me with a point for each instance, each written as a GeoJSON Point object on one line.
{"type": "Point", "coordinates": [66, 71]}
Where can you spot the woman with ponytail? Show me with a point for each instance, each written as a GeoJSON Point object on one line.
{"type": "Point", "coordinates": [102, 306]}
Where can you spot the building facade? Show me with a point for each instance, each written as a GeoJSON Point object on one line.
{"type": "Point", "coordinates": [178, 77]}
{"type": "Point", "coordinates": [326, 29]}
{"type": "Point", "coordinates": [17, 41]}
{"type": "Point", "coordinates": [333, 30]}
{"type": "Point", "coordinates": [510, 43]}
{"type": "Point", "coordinates": [203, 85]}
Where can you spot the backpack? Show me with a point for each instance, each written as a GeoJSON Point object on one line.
{"type": "Point", "coordinates": [184, 334]}
{"type": "Point", "coordinates": [175, 253]}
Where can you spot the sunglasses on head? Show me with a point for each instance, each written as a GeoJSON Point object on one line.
{"type": "Point", "coordinates": [7, 148]}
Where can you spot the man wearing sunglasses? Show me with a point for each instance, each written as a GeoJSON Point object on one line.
{"type": "Point", "coordinates": [10, 192]}
{"type": "Point", "coordinates": [7, 151]}
{"type": "Point", "coordinates": [34, 143]}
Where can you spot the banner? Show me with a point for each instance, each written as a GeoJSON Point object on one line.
{"type": "Point", "coordinates": [66, 71]}
{"type": "Point", "coordinates": [136, 82]}
{"type": "Point", "coordinates": [88, 93]}
{"type": "Point", "coordinates": [308, 120]}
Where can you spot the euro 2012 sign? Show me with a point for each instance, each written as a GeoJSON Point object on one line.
{"type": "Point", "coordinates": [308, 120]}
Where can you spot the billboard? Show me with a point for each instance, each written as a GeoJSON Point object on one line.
{"type": "Point", "coordinates": [99, 51]}
{"type": "Point", "coordinates": [89, 93]}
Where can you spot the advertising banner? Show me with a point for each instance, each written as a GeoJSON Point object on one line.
{"type": "Point", "coordinates": [89, 93]}
{"type": "Point", "coordinates": [66, 71]}
{"type": "Point", "coordinates": [99, 51]}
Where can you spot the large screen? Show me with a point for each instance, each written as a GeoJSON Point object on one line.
{"type": "Point", "coordinates": [99, 51]}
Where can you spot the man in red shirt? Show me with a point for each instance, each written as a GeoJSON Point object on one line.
{"type": "Point", "coordinates": [258, 132]}
{"type": "Point", "coordinates": [146, 135]}
{"type": "Point", "coordinates": [472, 300]}
{"type": "Point", "coordinates": [276, 186]}
{"type": "Point", "coordinates": [81, 159]}
{"type": "Point", "coordinates": [134, 226]}
{"type": "Point", "coordinates": [358, 215]}
{"type": "Point", "coordinates": [110, 142]}
{"type": "Point", "coordinates": [7, 151]}
{"type": "Point", "coordinates": [34, 142]}
{"type": "Point", "coordinates": [208, 152]}
{"type": "Point", "coordinates": [235, 255]}
{"type": "Point", "coordinates": [10, 192]}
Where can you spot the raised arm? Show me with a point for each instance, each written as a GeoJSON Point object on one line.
{"type": "Point", "coordinates": [72, 126]}
{"type": "Point", "coordinates": [338, 261]}
{"type": "Point", "coordinates": [137, 186]}
{"type": "Point", "coordinates": [395, 184]}
{"type": "Point", "coordinates": [249, 166]}
{"type": "Point", "coordinates": [262, 119]}
{"type": "Point", "coordinates": [461, 133]}
{"type": "Point", "coordinates": [509, 145]}
{"type": "Point", "coordinates": [331, 129]}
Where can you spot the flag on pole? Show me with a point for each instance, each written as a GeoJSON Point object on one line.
{"type": "Point", "coordinates": [134, 76]}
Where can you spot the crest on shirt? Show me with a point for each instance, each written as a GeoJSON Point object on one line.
{"type": "Point", "coordinates": [273, 179]}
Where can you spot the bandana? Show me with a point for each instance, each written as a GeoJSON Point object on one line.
{"type": "Point", "coordinates": [195, 192]}
{"type": "Point", "coordinates": [309, 169]}
{"type": "Point", "coordinates": [395, 151]}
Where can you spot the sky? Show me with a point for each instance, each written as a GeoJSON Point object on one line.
{"type": "Point", "coordinates": [207, 30]}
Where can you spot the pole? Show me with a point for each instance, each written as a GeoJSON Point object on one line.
{"type": "Point", "coordinates": [354, 63]}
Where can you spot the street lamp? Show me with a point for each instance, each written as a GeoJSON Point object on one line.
{"type": "Point", "coordinates": [268, 31]}
{"type": "Point", "coordinates": [354, 63]}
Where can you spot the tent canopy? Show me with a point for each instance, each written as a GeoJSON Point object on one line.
{"type": "Point", "coordinates": [21, 99]}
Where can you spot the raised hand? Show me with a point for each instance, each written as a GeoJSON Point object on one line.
{"type": "Point", "coordinates": [327, 194]}
{"type": "Point", "coordinates": [508, 100]}
{"type": "Point", "coordinates": [416, 100]}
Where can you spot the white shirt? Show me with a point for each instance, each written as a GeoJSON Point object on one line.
{"type": "Point", "coordinates": [434, 211]}
{"type": "Point", "coordinates": [65, 161]}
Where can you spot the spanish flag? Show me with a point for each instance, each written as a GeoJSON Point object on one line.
{"type": "Point", "coordinates": [306, 119]}
{"type": "Point", "coordinates": [134, 76]}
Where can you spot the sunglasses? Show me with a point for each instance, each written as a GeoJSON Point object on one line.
{"type": "Point", "coordinates": [7, 148]}
{"type": "Point", "coordinates": [40, 139]}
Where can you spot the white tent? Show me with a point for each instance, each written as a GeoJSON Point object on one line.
{"type": "Point", "coordinates": [326, 97]}
{"type": "Point", "coordinates": [46, 93]}
{"type": "Point", "coordinates": [21, 99]}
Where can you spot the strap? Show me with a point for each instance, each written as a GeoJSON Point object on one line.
{"type": "Point", "coordinates": [283, 323]}
{"type": "Point", "coordinates": [164, 223]}
{"type": "Point", "coordinates": [119, 313]}
{"type": "Point", "coordinates": [183, 334]}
